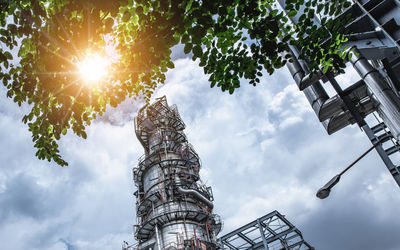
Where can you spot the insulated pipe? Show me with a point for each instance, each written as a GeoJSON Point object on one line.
{"type": "Point", "coordinates": [326, 109]}
{"type": "Point", "coordinates": [158, 238]}
{"type": "Point", "coordinates": [309, 83]}
{"type": "Point", "coordinates": [156, 232]}
{"type": "Point", "coordinates": [337, 122]}
{"type": "Point", "coordinates": [341, 120]}
{"type": "Point", "coordinates": [316, 94]}
{"type": "Point", "coordinates": [330, 111]}
{"type": "Point", "coordinates": [300, 74]}
{"type": "Point", "coordinates": [193, 192]}
{"type": "Point", "coordinates": [302, 80]}
{"type": "Point", "coordinates": [196, 194]}
{"type": "Point", "coordinates": [389, 103]}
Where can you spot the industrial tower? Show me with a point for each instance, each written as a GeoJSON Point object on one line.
{"type": "Point", "coordinates": [373, 102]}
{"type": "Point", "coordinates": [173, 209]}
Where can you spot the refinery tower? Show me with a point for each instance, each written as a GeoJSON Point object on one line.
{"type": "Point", "coordinates": [174, 210]}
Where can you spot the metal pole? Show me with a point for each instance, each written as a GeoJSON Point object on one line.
{"type": "Point", "coordinates": [359, 158]}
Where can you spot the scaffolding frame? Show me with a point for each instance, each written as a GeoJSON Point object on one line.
{"type": "Point", "coordinates": [271, 231]}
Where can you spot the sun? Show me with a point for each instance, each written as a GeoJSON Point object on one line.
{"type": "Point", "coordinates": [93, 68]}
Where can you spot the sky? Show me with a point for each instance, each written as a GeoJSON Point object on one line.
{"type": "Point", "coordinates": [262, 149]}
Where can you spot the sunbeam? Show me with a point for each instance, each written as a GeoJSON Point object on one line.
{"type": "Point", "coordinates": [93, 68]}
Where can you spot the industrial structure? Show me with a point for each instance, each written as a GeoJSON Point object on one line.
{"type": "Point", "coordinates": [173, 210]}
{"type": "Point", "coordinates": [373, 101]}
{"type": "Point", "coordinates": [272, 231]}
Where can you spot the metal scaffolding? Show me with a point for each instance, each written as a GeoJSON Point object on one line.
{"type": "Point", "coordinates": [372, 102]}
{"type": "Point", "coordinates": [272, 232]}
{"type": "Point", "coordinates": [173, 208]}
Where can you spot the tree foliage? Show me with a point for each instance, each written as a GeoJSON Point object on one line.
{"type": "Point", "coordinates": [233, 40]}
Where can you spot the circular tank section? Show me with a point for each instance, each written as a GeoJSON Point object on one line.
{"type": "Point", "coordinates": [179, 208]}
{"type": "Point", "coordinates": [155, 175]}
{"type": "Point", "coordinates": [174, 235]}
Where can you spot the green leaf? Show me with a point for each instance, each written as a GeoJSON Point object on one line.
{"type": "Point", "coordinates": [292, 13]}
{"type": "Point", "coordinates": [170, 65]}
{"type": "Point", "coordinates": [197, 51]}
{"type": "Point", "coordinates": [274, 12]}
{"type": "Point", "coordinates": [185, 38]}
{"type": "Point", "coordinates": [145, 33]}
{"type": "Point", "coordinates": [8, 55]}
{"type": "Point", "coordinates": [320, 7]}
{"type": "Point", "coordinates": [83, 134]}
{"type": "Point", "coordinates": [126, 16]}
{"type": "Point", "coordinates": [187, 48]}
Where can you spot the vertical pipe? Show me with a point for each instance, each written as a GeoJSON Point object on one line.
{"type": "Point", "coordinates": [184, 222]}
{"type": "Point", "coordinates": [207, 230]}
{"type": "Point", "coordinates": [156, 232]}
{"type": "Point", "coordinates": [315, 94]}
{"type": "Point", "coordinates": [158, 238]}
{"type": "Point", "coordinates": [389, 103]}
{"type": "Point", "coordinates": [195, 237]}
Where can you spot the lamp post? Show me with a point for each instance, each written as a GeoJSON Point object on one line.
{"type": "Point", "coordinates": [324, 191]}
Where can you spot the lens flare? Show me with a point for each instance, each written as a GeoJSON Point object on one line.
{"type": "Point", "coordinates": [93, 68]}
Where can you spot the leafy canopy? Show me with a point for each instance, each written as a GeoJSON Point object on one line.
{"type": "Point", "coordinates": [233, 40]}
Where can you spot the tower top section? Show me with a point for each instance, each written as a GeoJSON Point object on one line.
{"type": "Point", "coordinates": [158, 115]}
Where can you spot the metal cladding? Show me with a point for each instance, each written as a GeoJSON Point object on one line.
{"type": "Point", "coordinates": [174, 211]}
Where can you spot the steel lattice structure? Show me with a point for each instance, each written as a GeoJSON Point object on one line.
{"type": "Point", "coordinates": [373, 102]}
{"type": "Point", "coordinates": [272, 232]}
{"type": "Point", "coordinates": [174, 211]}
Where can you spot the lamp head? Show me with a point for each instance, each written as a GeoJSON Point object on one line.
{"type": "Point", "coordinates": [326, 189]}
{"type": "Point", "coordinates": [323, 193]}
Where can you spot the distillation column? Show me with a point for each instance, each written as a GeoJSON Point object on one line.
{"type": "Point", "coordinates": [173, 209]}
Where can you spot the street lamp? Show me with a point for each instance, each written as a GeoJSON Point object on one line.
{"type": "Point", "coordinates": [324, 191]}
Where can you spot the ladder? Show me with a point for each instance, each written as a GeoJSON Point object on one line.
{"type": "Point", "coordinates": [388, 149]}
